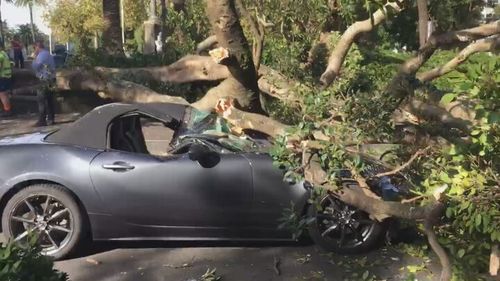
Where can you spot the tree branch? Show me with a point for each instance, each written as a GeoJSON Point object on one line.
{"type": "Point", "coordinates": [482, 45]}
{"type": "Point", "coordinates": [242, 120]}
{"type": "Point", "coordinates": [226, 26]}
{"type": "Point", "coordinates": [405, 165]}
{"type": "Point", "coordinates": [206, 44]}
{"type": "Point", "coordinates": [187, 69]}
{"type": "Point", "coordinates": [429, 222]}
{"type": "Point", "coordinates": [118, 90]}
{"type": "Point", "coordinates": [338, 55]}
{"type": "Point", "coordinates": [411, 66]}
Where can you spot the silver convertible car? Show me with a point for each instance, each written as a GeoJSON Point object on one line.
{"type": "Point", "coordinates": [158, 172]}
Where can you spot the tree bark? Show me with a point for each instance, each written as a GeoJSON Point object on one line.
{"type": "Point", "coordinates": [226, 26]}
{"type": "Point", "coordinates": [483, 45]}
{"type": "Point", "coordinates": [340, 51]}
{"type": "Point", "coordinates": [436, 113]}
{"type": "Point", "coordinates": [163, 19]}
{"type": "Point", "coordinates": [423, 18]}
{"type": "Point", "coordinates": [117, 90]}
{"type": "Point", "coordinates": [206, 44]}
{"type": "Point", "coordinates": [188, 69]}
{"type": "Point", "coordinates": [112, 38]}
{"type": "Point", "coordinates": [32, 22]}
{"type": "Point", "coordinates": [248, 121]}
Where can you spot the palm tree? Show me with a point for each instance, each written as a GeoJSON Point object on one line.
{"type": "Point", "coordinates": [29, 4]}
{"type": "Point", "coordinates": [112, 35]}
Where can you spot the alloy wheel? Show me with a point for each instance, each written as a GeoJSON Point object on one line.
{"type": "Point", "coordinates": [343, 224]}
{"type": "Point", "coordinates": [44, 217]}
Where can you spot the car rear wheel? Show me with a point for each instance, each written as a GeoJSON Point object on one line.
{"type": "Point", "coordinates": [47, 213]}
{"type": "Point", "coordinates": [343, 229]}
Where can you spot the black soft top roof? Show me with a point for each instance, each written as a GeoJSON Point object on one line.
{"type": "Point", "coordinates": [91, 130]}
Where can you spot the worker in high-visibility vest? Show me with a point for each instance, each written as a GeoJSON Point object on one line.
{"type": "Point", "coordinates": [5, 81]}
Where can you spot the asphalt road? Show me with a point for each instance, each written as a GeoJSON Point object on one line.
{"type": "Point", "coordinates": [237, 262]}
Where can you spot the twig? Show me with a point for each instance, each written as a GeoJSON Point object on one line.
{"type": "Point", "coordinates": [277, 263]}
{"type": "Point", "coordinates": [405, 165]}
{"type": "Point", "coordinates": [404, 201]}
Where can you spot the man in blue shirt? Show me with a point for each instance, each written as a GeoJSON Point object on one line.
{"type": "Point", "coordinates": [45, 70]}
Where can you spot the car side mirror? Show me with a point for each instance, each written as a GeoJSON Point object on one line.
{"type": "Point", "coordinates": [198, 151]}
{"type": "Point", "coordinates": [203, 155]}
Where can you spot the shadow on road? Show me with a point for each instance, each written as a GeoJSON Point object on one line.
{"type": "Point", "coordinates": [100, 247]}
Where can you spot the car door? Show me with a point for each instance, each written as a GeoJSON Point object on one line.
{"type": "Point", "coordinates": [272, 195]}
{"type": "Point", "coordinates": [174, 192]}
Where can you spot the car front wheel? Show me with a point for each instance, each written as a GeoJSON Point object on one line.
{"type": "Point", "coordinates": [46, 213]}
{"type": "Point", "coordinates": [341, 228]}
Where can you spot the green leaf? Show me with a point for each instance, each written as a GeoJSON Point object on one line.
{"type": "Point", "coordinates": [449, 212]}
{"type": "Point", "coordinates": [444, 177]}
{"type": "Point", "coordinates": [475, 132]}
{"type": "Point", "coordinates": [446, 99]}
{"type": "Point", "coordinates": [474, 92]}
{"type": "Point", "coordinates": [365, 275]}
{"type": "Point", "coordinates": [478, 219]}
{"type": "Point", "coordinates": [461, 253]}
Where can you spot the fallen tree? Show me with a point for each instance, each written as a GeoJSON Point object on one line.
{"type": "Point", "coordinates": [242, 79]}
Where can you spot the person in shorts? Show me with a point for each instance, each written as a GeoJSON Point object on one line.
{"type": "Point", "coordinates": [5, 81]}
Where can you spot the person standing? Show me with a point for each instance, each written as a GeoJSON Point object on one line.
{"type": "Point", "coordinates": [5, 81]}
{"type": "Point", "coordinates": [17, 47]}
{"type": "Point", "coordinates": [45, 70]}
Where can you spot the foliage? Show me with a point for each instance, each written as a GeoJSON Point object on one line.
{"type": "Point", "coordinates": [135, 13]}
{"type": "Point", "coordinates": [24, 33]}
{"type": "Point", "coordinates": [468, 169]}
{"type": "Point", "coordinates": [185, 30]}
{"type": "Point", "coordinates": [26, 264]}
{"type": "Point", "coordinates": [76, 20]}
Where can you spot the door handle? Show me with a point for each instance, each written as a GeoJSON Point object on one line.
{"type": "Point", "coordinates": [118, 166]}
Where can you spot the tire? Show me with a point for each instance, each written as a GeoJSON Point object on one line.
{"type": "Point", "coordinates": [358, 238]}
{"type": "Point", "coordinates": [59, 224]}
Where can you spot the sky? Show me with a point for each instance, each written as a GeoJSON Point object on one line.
{"type": "Point", "coordinates": [15, 16]}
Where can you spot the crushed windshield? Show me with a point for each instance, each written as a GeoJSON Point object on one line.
{"type": "Point", "coordinates": [206, 123]}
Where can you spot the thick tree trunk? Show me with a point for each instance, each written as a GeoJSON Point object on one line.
{"type": "Point", "coordinates": [423, 18]}
{"type": "Point", "coordinates": [117, 90]}
{"type": "Point", "coordinates": [188, 69]}
{"type": "Point", "coordinates": [112, 38]}
{"type": "Point", "coordinates": [342, 48]}
{"type": "Point", "coordinates": [226, 26]}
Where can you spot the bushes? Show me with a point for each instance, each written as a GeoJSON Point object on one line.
{"type": "Point", "coordinates": [19, 264]}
